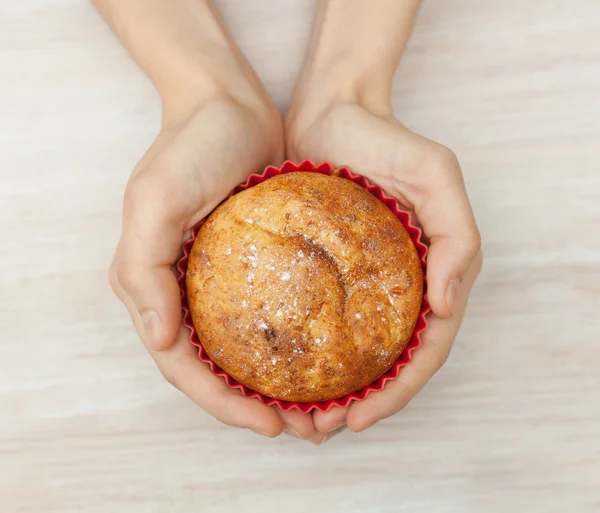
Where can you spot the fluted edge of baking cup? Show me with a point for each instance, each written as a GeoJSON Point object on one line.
{"type": "Point", "coordinates": [415, 341]}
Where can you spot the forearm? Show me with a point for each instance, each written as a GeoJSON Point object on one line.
{"type": "Point", "coordinates": [355, 47]}
{"type": "Point", "coordinates": [184, 48]}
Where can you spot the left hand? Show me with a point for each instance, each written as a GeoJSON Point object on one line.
{"type": "Point", "coordinates": [426, 179]}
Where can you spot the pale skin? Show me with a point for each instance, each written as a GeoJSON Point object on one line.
{"type": "Point", "coordinates": [219, 125]}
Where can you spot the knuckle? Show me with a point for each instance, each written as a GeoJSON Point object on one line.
{"type": "Point", "coordinates": [125, 275]}
{"type": "Point", "coordinates": [443, 168]}
{"type": "Point", "coordinates": [404, 392]}
{"type": "Point", "coordinates": [141, 187]}
{"type": "Point", "coordinates": [154, 185]}
{"type": "Point", "coordinates": [477, 263]}
{"type": "Point", "coordinates": [441, 352]}
{"type": "Point", "coordinates": [442, 358]}
{"type": "Point", "coordinates": [170, 377]}
{"type": "Point", "coordinates": [175, 369]}
{"type": "Point", "coordinates": [178, 369]}
{"type": "Point", "coordinates": [473, 244]}
{"type": "Point", "coordinates": [152, 190]}
{"type": "Point", "coordinates": [444, 158]}
{"type": "Point", "coordinates": [479, 260]}
{"type": "Point", "coordinates": [184, 361]}
{"type": "Point", "coordinates": [113, 279]}
{"type": "Point", "coordinates": [448, 158]}
{"type": "Point", "coordinates": [407, 390]}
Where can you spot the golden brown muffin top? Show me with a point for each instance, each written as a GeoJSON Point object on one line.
{"type": "Point", "coordinates": [305, 287]}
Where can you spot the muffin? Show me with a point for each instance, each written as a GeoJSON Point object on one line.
{"type": "Point", "coordinates": [304, 287]}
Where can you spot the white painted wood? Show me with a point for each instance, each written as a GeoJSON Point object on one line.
{"type": "Point", "coordinates": [512, 423]}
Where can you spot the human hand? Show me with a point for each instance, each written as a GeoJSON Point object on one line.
{"type": "Point", "coordinates": [188, 170]}
{"type": "Point", "coordinates": [219, 125]}
{"type": "Point", "coordinates": [426, 179]}
{"type": "Point", "coordinates": [341, 113]}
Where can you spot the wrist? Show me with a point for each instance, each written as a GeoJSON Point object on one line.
{"type": "Point", "coordinates": [321, 87]}
{"type": "Point", "coordinates": [228, 92]}
{"type": "Point", "coordinates": [216, 72]}
{"type": "Point", "coordinates": [352, 57]}
{"type": "Point", "coordinates": [200, 83]}
{"type": "Point", "coordinates": [321, 90]}
{"type": "Point", "coordinates": [186, 51]}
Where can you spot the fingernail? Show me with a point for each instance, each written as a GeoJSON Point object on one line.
{"type": "Point", "coordinates": [153, 328]}
{"type": "Point", "coordinates": [262, 433]}
{"type": "Point", "coordinates": [324, 439]}
{"type": "Point", "coordinates": [337, 426]}
{"type": "Point", "coordinates": [291, 432]}
{"type": "Point", "coordinates": [451, 292]}
{"type": "Point", "coordinates": [318, 440]}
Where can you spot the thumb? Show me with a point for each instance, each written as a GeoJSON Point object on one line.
{"type": "Point", "coordinates": [152, 298]}
{"type": "Point", "coordinates": [448, 261]}
{"type": "Point", "coordinates": [447, 220]}
{"type": "Point", "coordinates": [141, 273]}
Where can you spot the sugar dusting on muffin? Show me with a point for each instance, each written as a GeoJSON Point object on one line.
{"type": "Point", "coordinates": [305, 287]}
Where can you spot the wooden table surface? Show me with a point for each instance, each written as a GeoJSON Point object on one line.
{"type": "Point", "coordinates": [511, 423]}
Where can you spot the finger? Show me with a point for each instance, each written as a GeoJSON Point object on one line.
{"type": "Point", "coordinates": [182, 368]}
{"type": "Point", "coordinates": [447, 220]}
{"type": "Point", "coordinates": [150, 241]}
{"type": "Point", "coordinates": [437, 340]}
{"type": "Point", "coordinates": [202, 386]}
{"type": "Point", "coordinates": [398, 393]}
{"type": "Point", "coordinates": [297, 424]}
{"type": "Point", "coordinates": [333, 433]}
{"type": "Point", "coordinates": [327, 421]}
{"type": "Point", "coordinates": [321, 438]}
{"type": "Point", "coordinates": [171, 190]}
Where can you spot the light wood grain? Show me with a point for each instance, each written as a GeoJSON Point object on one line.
{"type": "Point", "coordinates": [512, 423]}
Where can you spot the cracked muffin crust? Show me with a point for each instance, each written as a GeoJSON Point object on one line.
{"type": "Point", "coordinates": [305, 287]}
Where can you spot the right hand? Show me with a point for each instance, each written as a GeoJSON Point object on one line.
{"type": "Point", "coordinates": [426, 179]}
{"type": "Point", "coordinates": [189, 169]}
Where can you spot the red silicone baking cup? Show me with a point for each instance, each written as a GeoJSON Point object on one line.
{"type": "Point", "coordinates": [405, 357]}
